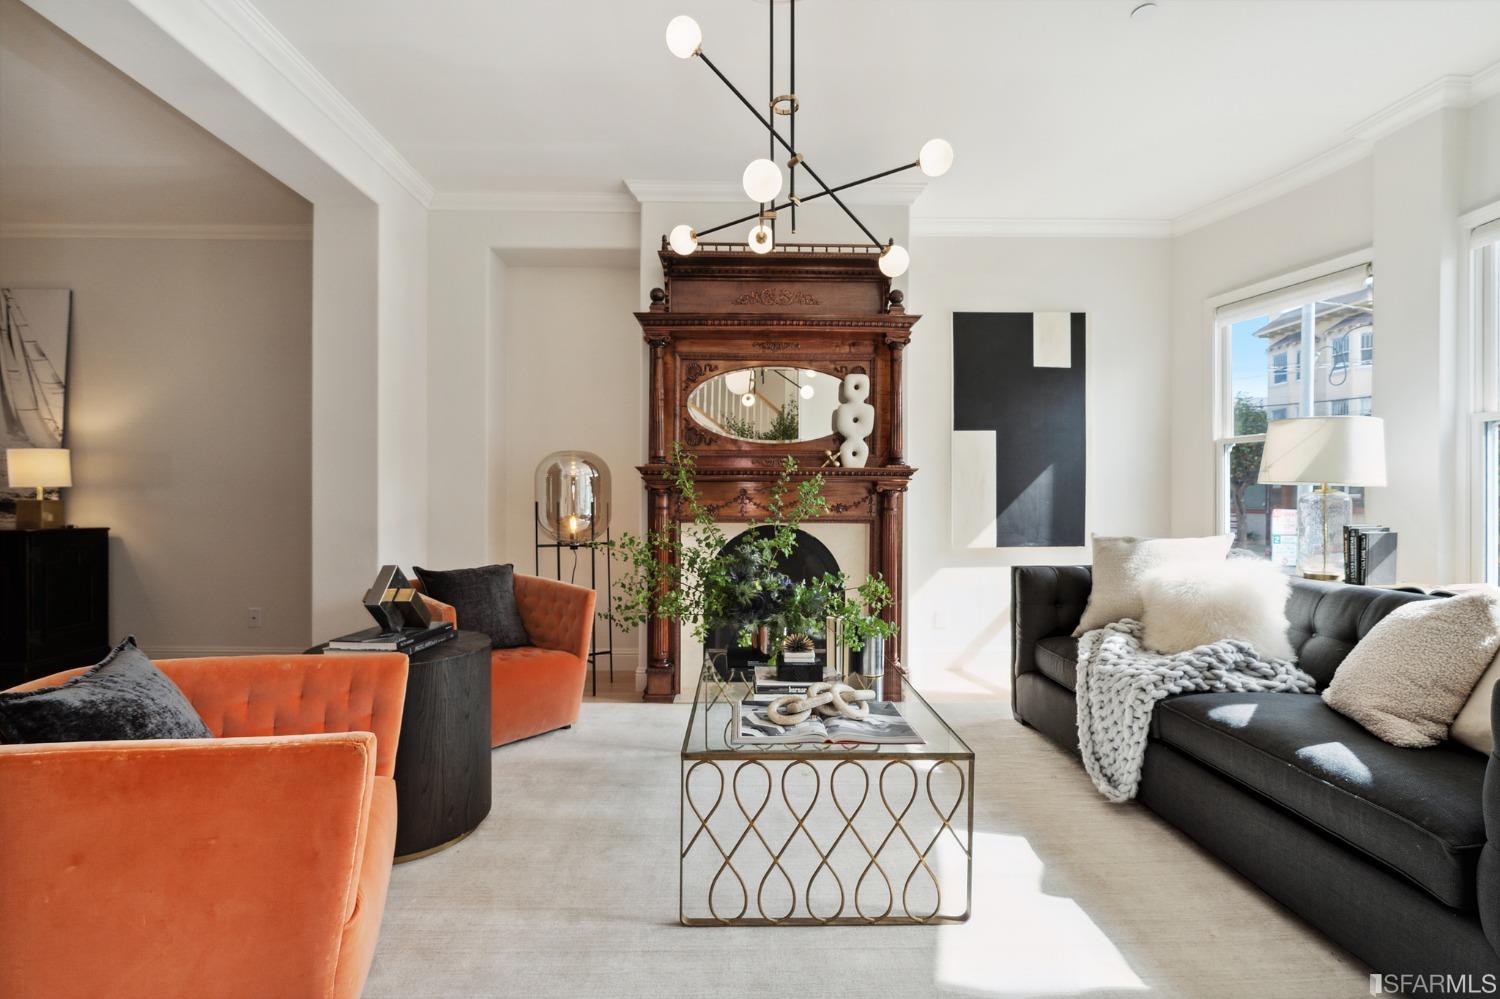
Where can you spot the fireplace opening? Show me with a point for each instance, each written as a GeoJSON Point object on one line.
{"type": "Point", "coordinates": [810, 558]}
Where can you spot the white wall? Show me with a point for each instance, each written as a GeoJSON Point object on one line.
{"type": "Point", "coordinates": [958, 610]}
{"type": "Point", "coordinates": [189, 422]}
{"type": "Point", "coordinates": [1481, 174]}
{"type": "Point", "coordinates": [465, 314]}
{"type": "Point", "coordinates": [230, 72]}
{"type": "Point", "coordinates": [1402, 203]}
{"type": "Point", "coordinates": [1319, 222]}
{"type": "Point", "coordinates": [568, 348]}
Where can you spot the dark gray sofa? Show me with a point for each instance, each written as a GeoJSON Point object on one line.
{"type": "Point", "coordinates": [1385, 850]}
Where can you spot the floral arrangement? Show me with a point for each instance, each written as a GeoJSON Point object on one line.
{"type": "Point", "coordinates": [709, 583]}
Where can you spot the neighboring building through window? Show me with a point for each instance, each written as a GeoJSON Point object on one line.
{"type": "Point", "coordinates": [1267, 343]}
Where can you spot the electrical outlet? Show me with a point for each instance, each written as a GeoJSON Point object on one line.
{"type": "Point", "coordinates": [255, 618]}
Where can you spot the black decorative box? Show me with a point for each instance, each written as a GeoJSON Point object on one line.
{"type": "Point", "coordinates": [737, 664]}
{"type": "Point", "coordinates": [802, 672]}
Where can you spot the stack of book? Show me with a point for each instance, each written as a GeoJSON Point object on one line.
{"type": "Point", "coordinates": [407, 640]}
{"type": "Point", "coordinates": [1369, 555]}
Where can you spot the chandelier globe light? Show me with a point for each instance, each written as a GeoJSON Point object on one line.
{"type": "Point", "coordinates": [762, 180]}
{"type": "Point", "coordinates": [683, 240]}
{"type": "Point", "coordinates": [761, 238]}
{"type": "Point", "coordinates": [894, 260]}
{"type": "Point", "coordinates": [683, 36]}
{"type": "Point", "coordinates": [936, 157]}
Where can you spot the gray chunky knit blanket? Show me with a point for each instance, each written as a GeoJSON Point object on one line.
{"type": "Point", "coordinates": [1119, 682]}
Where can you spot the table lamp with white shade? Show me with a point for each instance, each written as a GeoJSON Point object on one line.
{"type": "Point", "coordinates": [1318, 451]}
{"type": "Point", "coordinates": [41, 468]}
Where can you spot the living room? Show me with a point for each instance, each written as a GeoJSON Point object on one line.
{"type": "Point", "coordinates": [1101, 496]}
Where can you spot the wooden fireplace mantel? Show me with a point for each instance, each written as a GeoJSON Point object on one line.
{"type": "Point", "coordinates": [817, 307]}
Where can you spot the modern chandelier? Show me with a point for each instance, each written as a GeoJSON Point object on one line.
{"type": "Point", "coordinates": [762, 179]}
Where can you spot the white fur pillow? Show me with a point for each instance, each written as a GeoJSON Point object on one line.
{"type": "Point", "coordinates": [1407, 679]}
{"type": "Point", "coordinates": [1188, 605]}
{"type": "Point", "coordinates": [1121, 563]}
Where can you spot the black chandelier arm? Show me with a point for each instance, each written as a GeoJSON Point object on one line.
{"type": "Point", "coordinates": [792, 124]}
{"type": "Point", "coordinates": [776, 137]}
{"type": "Point", "coordinates": [811, 197]}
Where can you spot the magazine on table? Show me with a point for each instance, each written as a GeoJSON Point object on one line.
{"type": "Point", "coordinates": [884, 726]}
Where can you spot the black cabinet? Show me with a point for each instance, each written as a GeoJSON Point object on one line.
{"type": "Point", "coordinates": [54, 601]}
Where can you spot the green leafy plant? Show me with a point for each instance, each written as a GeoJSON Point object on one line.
{"type": "Point", "coordinates": [696, 576]}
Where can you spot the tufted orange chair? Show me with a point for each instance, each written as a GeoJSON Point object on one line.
{"type": "Point", "coordinates": [251, 864]}
{"type": "Point", "coordinates": [537, 688]}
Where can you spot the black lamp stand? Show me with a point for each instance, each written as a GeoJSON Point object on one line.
{"type": "Point", "coordinates": [593, 544]}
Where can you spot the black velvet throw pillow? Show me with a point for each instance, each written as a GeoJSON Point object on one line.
{"type": "Point", "coordinates": [484, 599]}
{"type": "Point", "coordinates": [124, 697]}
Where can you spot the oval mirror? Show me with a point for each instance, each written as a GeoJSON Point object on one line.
{"type": "Point", "coordinates": [767, 405]}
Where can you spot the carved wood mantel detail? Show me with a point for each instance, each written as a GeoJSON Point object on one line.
{"type": "Point", "coordinates": [829, 312]}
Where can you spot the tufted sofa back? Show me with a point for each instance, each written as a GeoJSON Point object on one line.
{"type": "Point", "coordinates": [1326, 619]}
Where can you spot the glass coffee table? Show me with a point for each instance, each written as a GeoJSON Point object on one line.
{"type": "Point", "coordinates": [817, 834]}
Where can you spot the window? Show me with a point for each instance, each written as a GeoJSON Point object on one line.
{"type": "Point", "coordinates": [1266, 342]}
{"type": "Point", "coordinates": [1485, 282]}
{"type": "Point", "coordinates": [1341, 351]}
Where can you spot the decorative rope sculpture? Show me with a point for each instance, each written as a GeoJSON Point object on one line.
{"type": "Point", "coordinates": [827, 699]}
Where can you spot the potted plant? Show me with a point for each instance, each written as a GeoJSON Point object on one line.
{"type": "Point", "coordinates": [699, 578]}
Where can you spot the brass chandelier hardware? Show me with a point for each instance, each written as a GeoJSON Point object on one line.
{"type": "Point", "coordinates": [762, 179]}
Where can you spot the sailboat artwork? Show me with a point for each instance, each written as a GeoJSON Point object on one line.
{"type": "Point", "coordinates": [34, 328]}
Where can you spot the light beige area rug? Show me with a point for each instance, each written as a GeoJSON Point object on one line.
{"type": "Point", "coordinates": [569, 888]}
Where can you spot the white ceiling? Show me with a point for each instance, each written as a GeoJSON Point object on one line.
{"type": "Point", "coordinates": [1057, 108]}
{"type": "Point", "coordinates": [83, 144]}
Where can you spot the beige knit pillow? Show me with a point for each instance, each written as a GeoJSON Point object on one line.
{"type": "Point", "coordinates": [1407, 679]}
{"type": "Point", "coordinates": [1119, 564]}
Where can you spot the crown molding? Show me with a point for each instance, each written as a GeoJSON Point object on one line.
{"type": "Point", "coordinates": [1453, 91]}
{"type": "Point", "coordinates": [1444, 92]}
{"type": "Point", "coordinates": [721, 192]}
{"type": "Point", "coordinates": [154, 230]}
{"type": "Point", "coordinates": [249, 23]}
{"type": "Point", "coordinates": [1304, 173]}
{"type": "Point", "coordinates": [536, 201]}
{"type": "Point", "coordinates": [1041, 228]}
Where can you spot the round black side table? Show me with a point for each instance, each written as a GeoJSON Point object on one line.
{"type": "Point", "coordinates": [443, 758]}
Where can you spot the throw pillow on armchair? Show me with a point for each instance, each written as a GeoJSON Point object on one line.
{"type": "Point", "coordinates": [484, 598]}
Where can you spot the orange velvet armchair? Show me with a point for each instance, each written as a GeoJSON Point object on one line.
{"type": "Point", "coordinates": [254, 863]}
{"type": "Point", "coordinates": [539, 687]}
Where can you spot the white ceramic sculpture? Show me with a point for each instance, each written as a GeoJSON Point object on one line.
{"type": "Point", "coordinates": [827, 699]}
{"type": "Point", "coordinates": [853, 420]}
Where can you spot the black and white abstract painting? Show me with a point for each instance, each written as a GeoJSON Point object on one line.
{"type": "Point", "coordinates": [34, 329]}
{"type": "Point", "coordinates": [1019, 429]}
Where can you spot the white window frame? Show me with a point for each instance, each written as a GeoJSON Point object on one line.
{"type": "Point", "coordinates": [1279, 366]}
{"type": "Point", "coordinates": [1481, 317]}
{"type": "Point", "coordinates": [1221, 401]}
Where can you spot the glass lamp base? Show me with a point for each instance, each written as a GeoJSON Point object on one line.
{"type": "Point", "coordinates": [1322, 515]}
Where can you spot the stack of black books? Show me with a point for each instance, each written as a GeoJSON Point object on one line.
{"type": "Point", "coordinates": [1369, 555]}
{"type": "Point", "coordinates": [407, 640]}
